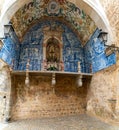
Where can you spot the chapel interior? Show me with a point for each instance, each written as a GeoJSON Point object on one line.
{"type": "Point", "coordinates": [58, 58]}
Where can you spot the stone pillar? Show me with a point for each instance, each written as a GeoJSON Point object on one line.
{"type": "Point", "coordinates": [79, 67]}
{"type": "Point", "coordinates": [61, 50]}
{"type": "Point", "coordinates": [44, 51]}
{"type": "Point", "coordinates": [5, 92]}
{"type": "Point", "coordinates": [117, 85]}
{"type": "Point", "coordinates": [44, 57]}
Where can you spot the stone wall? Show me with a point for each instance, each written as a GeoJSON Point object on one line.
{"type": "Point", "coordinates": [102, 98]}
{"type": "Point", "coordinates": [5, 89]}
{"type": "Point", "coordinates": [10, 50]}
{"type": "Point", "coordinates": [39, 100]}
{"type": "Point", "coordinates": [111, 9]}
{"type": "Point", "coordinates": [103, 95]}
{"type": "Point", "coordinates": [95, 55]}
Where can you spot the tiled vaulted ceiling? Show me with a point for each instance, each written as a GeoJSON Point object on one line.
{"type": "Point", "coordinates": [38, 10]}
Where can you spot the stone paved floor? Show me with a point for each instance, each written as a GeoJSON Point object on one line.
{"type": "Point", "coordinates": [78, 122]}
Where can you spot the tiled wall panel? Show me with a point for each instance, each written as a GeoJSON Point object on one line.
{"type": "Point", "coordinates": [10, 50]}
{"type": "Point", "coordinates": [92, 56]}
{"type": "Point", "coordinates": [95, 57]}
{"type": "Point", "coordinates": [32, 48]}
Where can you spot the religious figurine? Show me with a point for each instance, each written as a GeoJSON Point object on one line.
{"type": "Point", "coordinates": [52, 54]}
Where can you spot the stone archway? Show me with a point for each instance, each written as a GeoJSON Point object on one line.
{"type": "Point", "coordinates": [6, 17]}
{"type": "Point", "coordinates": [90, 7]}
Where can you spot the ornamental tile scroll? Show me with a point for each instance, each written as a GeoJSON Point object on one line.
{"type": "Point", "coordinates": [64, 10]}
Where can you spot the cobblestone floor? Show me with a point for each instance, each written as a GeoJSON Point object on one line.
{"type": "Point", "coordinates": [78, 122]}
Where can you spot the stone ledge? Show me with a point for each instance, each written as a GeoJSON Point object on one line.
{"type": "Point", "coordinates": [36, 73]}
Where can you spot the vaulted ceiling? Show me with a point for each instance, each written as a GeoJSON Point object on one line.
{"type": "Point", "coordinates": [61, 10]}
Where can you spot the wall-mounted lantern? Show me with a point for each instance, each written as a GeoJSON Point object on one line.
{"type": "Point", "coordinates": [103, 36]}
{"type": "Point", "coordinates": [7, 29]}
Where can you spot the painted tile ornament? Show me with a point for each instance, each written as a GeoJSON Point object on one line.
{"type": "Point", "coordinates": [75, 57]}
{"type": "Point", "coordinates": [53, 9]}
{"type": "Point", "coordinates": [95, 54]}
{"type": "Point", "coordinates": [70, 52]}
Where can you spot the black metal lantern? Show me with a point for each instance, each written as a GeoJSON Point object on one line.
{"type": "Point", "coordinates": [109, 49]}
{"type": "Point", "coordinates": [103, 36]}
{"type": "Point", "coordinates": [7, 29]}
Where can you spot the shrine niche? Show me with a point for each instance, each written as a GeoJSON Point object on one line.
{"type": "Point", "coordinates": [52, 48]}
{"type": "Point", "coordinates": [52, 54]}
